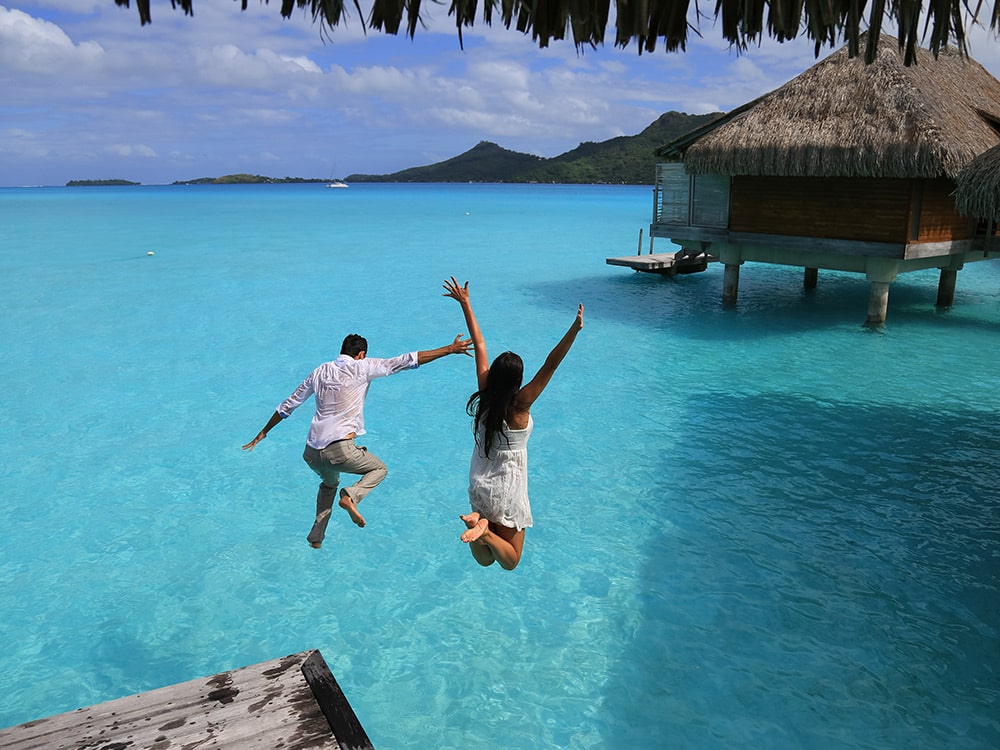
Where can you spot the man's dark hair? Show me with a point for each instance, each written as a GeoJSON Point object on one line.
{"type": "Point", "coordinates": [353, 345]}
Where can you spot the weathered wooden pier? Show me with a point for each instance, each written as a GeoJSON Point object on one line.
{"type": "Point", "coordinates": [684, 260]}
{"type": "Point", "coordinates": [292, 703]}
{"type": "Point", "coordinates": [665, 264]}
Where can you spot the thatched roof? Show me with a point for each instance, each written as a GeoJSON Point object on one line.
{"type": "Point", "coordinates": [823, 21]}
{"type": "Point", "coordinates": [978, 192]}
{"type": "Point", "coordinates": [842, 118]}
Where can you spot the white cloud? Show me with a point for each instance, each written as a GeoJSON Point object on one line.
{"type": "Point", "coordinates": [21, 142]}
{"type": "Point", "coordinates": [36, 47]}
{"type": "Point", "coordinates": [378, 80]}
{"type": "Point", "coordinates": [268, 116]}
{"type": "Point", "coordinates": [121, 149]}
{"type": "Point", "coordinates": [227, 65]}
{"type": "Point", "coordinates": [475, 121]}
{"type": "Point", "coordinates": [500, 74]}
{"type": "Point", "coordinates": [299, 63]}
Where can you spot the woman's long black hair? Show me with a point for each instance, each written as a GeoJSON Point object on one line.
{"type": "Point", "coordinates": [489, 406]}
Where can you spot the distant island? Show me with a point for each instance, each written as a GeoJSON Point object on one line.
{"type": "Point", "coordinates": [625, 160]}
{"type": "Point", "coordinates": [228, 179]}
{"type": "Point", "coordinates": [99, 183]}
{"type": "Point", "coordinates": [246, 179]}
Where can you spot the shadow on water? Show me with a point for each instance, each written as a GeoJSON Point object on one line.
{"type": "Point", "coordinates": [826, 575]}
{"type": "Point", "coordinates": [772, 301]}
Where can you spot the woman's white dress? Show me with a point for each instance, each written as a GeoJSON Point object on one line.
{"type": "Point", "coordinates": [498, 485]}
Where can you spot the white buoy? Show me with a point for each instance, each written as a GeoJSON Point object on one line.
{"type": "Point", "coordinates": [150, 253]}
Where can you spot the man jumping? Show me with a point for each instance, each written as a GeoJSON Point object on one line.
{"type": "Point", "coordinates": [340, 388]}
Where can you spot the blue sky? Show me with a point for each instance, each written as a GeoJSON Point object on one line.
{"type": "Point", "coordinates": [90, 94]}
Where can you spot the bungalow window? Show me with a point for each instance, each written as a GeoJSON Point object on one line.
{"type": "Point", "coordinates": [683, 199]}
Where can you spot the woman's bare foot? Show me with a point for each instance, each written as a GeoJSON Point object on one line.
{"type": "Point", "coordinates": [352, 510]}
{"type": "Point", "coordinates": [475, 531]}
{"type": "Point", "coordinates": [470, 519]}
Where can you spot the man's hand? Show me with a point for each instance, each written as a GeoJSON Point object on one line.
{"type": "Point", "coordinates": [458, 346]}
{"type": "Point", "coordinates": [250, 446]}
{"type": "Point", "coordinates": [461, 346]}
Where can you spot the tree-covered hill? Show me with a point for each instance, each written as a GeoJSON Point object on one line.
{"type": "Point", "coordinates": [625, 159]}
{"type": "Point", "coordinates": [484, 162]}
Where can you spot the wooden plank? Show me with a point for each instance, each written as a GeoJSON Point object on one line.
{"type": "Point", "coordinates": [333, 703]}
{"type": "Point", "coordinates": [654, 262]}
{"type": "Point", "coordinates": [267, 705]}
{"type": "Point", "coordinates": [666, 264]}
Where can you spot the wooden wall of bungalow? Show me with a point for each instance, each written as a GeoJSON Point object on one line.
{"type": "Point", "coordinates": [883, 210]}
{"type": "Point", "coordinates": [873, 210]}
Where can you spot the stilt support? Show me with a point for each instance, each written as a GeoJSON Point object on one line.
{"type": "Point", "coordinates": [880, 272]}
{"type": "Point", "coordinates": [730, 284]}
{"type": "Point", "coordinates": [946, 287]}
{"type": "Point", "coordinates": [878, 303]}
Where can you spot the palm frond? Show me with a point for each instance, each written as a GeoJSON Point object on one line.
{"type": "Point", "coordinates": [646, 22]}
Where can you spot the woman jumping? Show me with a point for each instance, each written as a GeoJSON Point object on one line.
{"type": "Point", "coordinates": [498, 476]}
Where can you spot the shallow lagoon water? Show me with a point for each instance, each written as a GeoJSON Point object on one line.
{"type": "Point", "coordinates": [763, 527]}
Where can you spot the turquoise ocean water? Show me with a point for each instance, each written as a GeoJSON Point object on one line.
{"type": "Point", "coordinates": [762, 527]}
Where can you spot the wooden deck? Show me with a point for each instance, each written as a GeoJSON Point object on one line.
{"type": "Point", "coordinates": [292, 703]}
{"type": "Point", "coordinates": [666, 264]}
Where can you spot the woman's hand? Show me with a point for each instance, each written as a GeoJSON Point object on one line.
{"type": "Point", "coordinates": [578, 323]}
{"type": "Point", "coordinates": [453, 290]}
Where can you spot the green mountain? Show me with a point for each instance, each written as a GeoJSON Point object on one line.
{"type": "Point", "coordinates": [485, 162]}
{"type": "Point", "coordinates": [627, 159]}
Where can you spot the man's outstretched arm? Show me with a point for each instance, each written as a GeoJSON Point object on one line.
{"type": "Point", "coordinates": [458, 346]}
{"type": "Point", "coordinates": [275, 418]}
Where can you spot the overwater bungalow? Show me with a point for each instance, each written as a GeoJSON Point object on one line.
{"type": "Point", "coordinates": [978, 191]}
{"type": "Point", "coordinates": [850, 167]}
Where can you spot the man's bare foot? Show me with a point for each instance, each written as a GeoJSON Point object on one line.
{"type": "Point", "coordinates": [352, 510]}
{"type": "Point", "coordinates": [470, 519]}
{"type": "Point", "coordinates": [475, 531]}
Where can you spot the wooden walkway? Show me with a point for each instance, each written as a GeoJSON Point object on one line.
{"type": "Point", "coordinates": [292, 703]}
{"type": "Point", "coordinates": [667, 264]}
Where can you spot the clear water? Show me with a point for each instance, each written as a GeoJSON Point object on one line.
{"type": "Point", "coordinates": [761, 527]}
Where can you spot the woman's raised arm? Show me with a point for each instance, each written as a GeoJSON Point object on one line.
{"type": "Point", "coordinates": [527, 395]}
{"type": "Point", "coordinates": [461, 293]}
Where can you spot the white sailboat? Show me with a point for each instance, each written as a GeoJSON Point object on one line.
{"type": "Point", "coordinates": [334, 182]}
